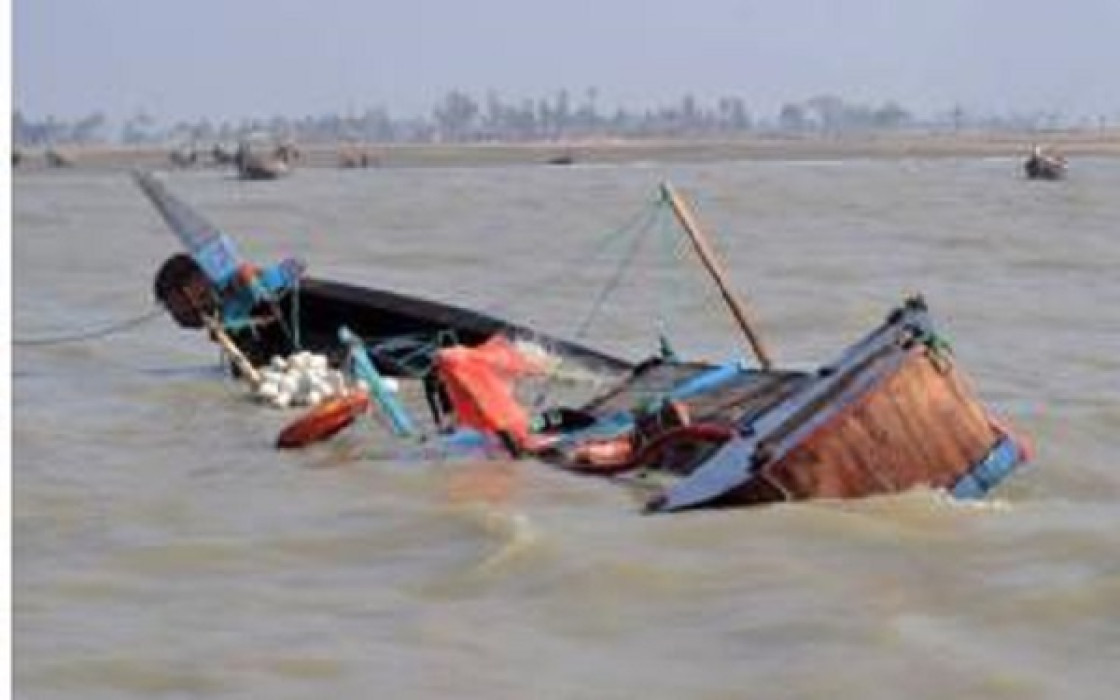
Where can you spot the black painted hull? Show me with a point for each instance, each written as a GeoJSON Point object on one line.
{"type": "Point", "coordinates": [399, 330]}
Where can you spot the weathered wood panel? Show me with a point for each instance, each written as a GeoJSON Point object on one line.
{"type": "Point", "coordinates": [919, 425]}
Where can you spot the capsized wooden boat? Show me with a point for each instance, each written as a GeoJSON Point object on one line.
{"type": "Point", "coordinates": [892, 412]}
{"type": "Point", "coordinates": [279, 310]}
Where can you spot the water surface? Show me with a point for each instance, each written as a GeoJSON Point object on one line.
{"type": "Point", "coordinates": [162, 548]}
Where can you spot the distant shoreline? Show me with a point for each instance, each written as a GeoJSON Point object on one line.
{"type": "Point", "coordinates": [892, 145]}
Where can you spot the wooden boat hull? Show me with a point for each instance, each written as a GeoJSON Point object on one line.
{"type": "Point", "coordinates": [894, 413]}
{"type": "Point", "coordinates": [915, 426]}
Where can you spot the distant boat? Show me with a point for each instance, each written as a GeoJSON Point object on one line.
{"type": "Point", "coordinates": [254, 165]}
{"type": "Point", "coordinates": [184, 157]}
{"type": "Point", "coordinates": [353, 157]}
{"type": "Point", "coordinates": [57, 159]}
{"type": "Point", "coordinates": [1041, 165]}
{"type": "Point", "coordinates": [562, 159]}
{"type": "Point", "coordinates": [220, 155]}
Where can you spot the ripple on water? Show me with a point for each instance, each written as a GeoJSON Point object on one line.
{"type": "Point", "coordinates": [162, 548]}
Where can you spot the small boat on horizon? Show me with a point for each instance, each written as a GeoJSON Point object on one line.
{"type": "Point", "coordinates": [58, 159]}
{"type": "Point", "coordinates": [257, 161]}
{"type": "Point", "coordinates": [1044, 165]}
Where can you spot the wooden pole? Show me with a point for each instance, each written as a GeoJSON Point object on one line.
{"type": "Point", "coordinates": [711, 264]}
{"type": "Point", "coordinates": [222, 338]}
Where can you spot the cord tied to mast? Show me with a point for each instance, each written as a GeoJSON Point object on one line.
{"type": "Point", "coordinates": [711, 263]}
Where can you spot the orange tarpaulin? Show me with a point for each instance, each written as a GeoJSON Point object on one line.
{"type": "Point", "coordinates": [479, 383]}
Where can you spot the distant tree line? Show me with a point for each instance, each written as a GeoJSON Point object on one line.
{"type": "Point", "coordinates": [460, 117]}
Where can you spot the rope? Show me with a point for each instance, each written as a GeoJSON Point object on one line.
{"type": "Point", "coordinates": [646, 219]}
{"type": "Point", "coordinates": [667, 249]}
{"type": "Point", "coordinates": [289, 326]}
{"type": "Point", "coordinates": [693, 282]}
{"type": "Point", "coordinates": [580, 262]}
{"type": "Point", "coordinates": [296, 341]}
{"type": "Point", "coordinates": [615, 280]}
{"type": "Point", "coordinates": [118, 327]}
{"type": "Point", "coordinates": [413, 351]}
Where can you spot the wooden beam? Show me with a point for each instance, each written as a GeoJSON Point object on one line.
{"type": "Point", "coordinates": [222, 338]}
{"type": "Point", "coordinates": [711, 263]}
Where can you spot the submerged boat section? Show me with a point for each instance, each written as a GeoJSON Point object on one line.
{"type": "Point", "coordinates": [892, 412]}
{"type": "Point", "coordinates": [279, 310]}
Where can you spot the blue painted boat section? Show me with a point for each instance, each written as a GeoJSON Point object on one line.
{"type": "Point", "coordinates": [281, 277]}
{"type": "Point", "coordinates": [605, 428]}
{"type": "Point", "coordinates": [269, 285]}
{"type": "Point", "coordinates": [994, 468]}
{"type": "Point", "coordinates": [392, 408]}
{"type": "Point", "coordinates": [707, 381]}
{"type": "Point", "coordinates": [622, 422]}
{"type": "Point", "coordinates": [464, 443]}
{"type": "Point", "coordinates": [192, 230]}
{"type": "Point", "coordinates": [218, 257]}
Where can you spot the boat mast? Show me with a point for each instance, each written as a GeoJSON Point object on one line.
{"type": "Point", "coordinates": [711, 264]}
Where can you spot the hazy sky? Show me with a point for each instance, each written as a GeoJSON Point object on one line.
{"type": "Point", "coordinates": [238, 58]}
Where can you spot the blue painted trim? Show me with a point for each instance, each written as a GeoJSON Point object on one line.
{"type": "Point", "coordinates": [278, 278]}
{"type": "Point", "coordinates": [622, 422]}
{"type": "Point", "coordinates": [364, 368]}
{"type": "Point", "coordinates": [608, 427]}
{"type": "Point", "coordinates": [218, 258]}
{"type": "Point", "coordinates": [707, 381]}
{"type": "Point", "coordinates": [991, 470]}
{"type": "Point", "coordinates": [269, 284]}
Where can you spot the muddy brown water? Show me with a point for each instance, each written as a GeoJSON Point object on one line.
{"type": "Point", "coordinates": [163, 549]}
